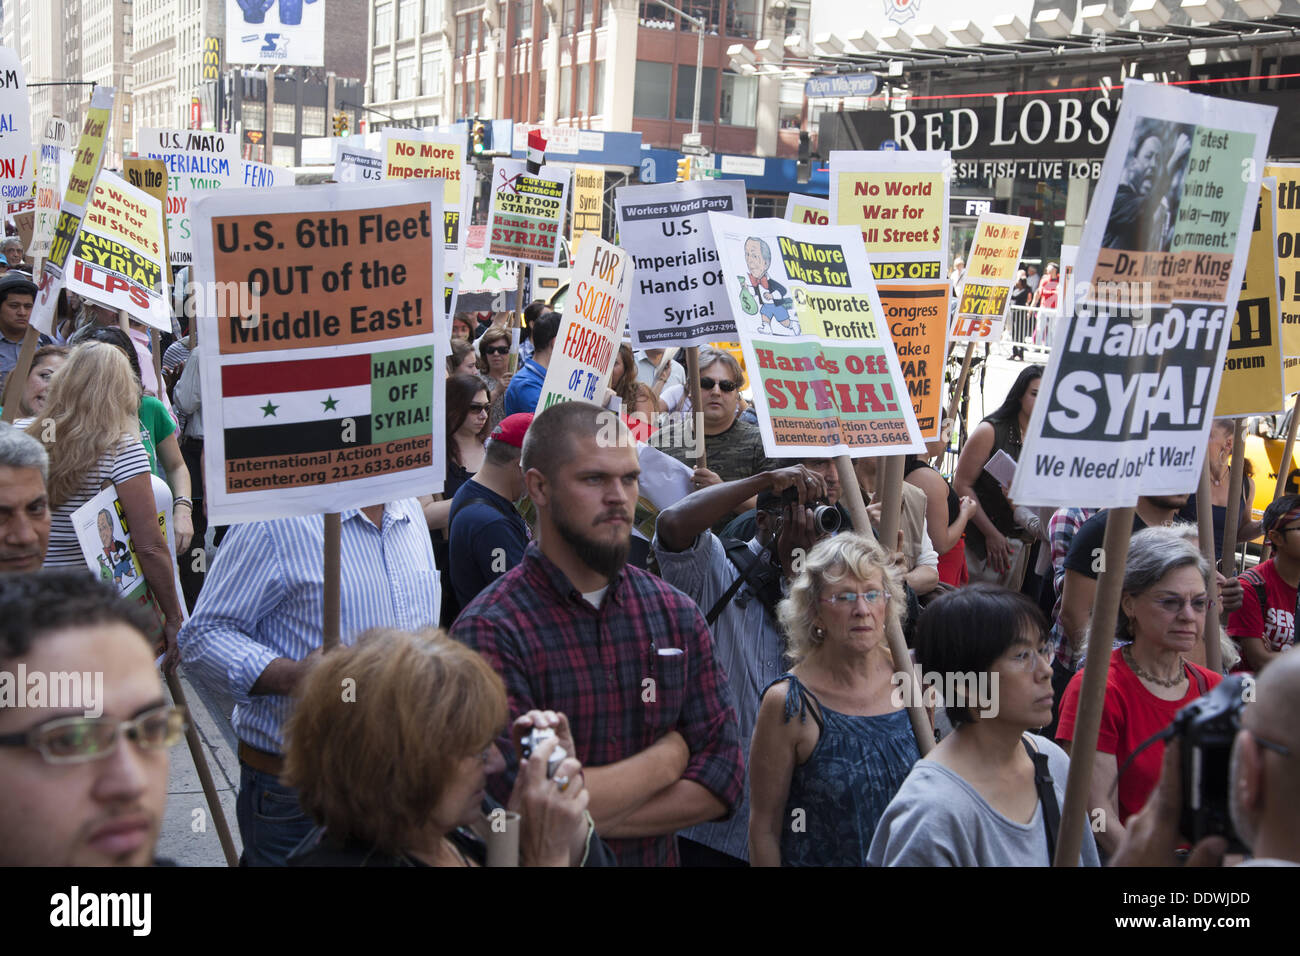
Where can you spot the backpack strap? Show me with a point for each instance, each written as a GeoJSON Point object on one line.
{"type": "Point", "coordinates": [746, 562]}
{"type": "Point", "coordinates": [1046, 796]}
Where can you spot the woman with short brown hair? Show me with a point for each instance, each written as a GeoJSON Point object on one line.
{"type": "Point", "coordinates": [390, 745]}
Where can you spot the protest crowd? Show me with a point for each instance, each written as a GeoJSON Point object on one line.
{"type": "Point", "coordinates": [541, 645]}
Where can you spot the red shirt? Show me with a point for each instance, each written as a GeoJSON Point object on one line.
{"type": "Point", "coordinates": [1130, 715]}
{"type": "Point", "coordinates": [1048, 288]}
{"type": "Point", "coordinates": [1274, 623]}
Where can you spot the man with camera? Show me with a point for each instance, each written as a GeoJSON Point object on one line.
{"type": "Point", "coordinates": [738, 584]}
{"type": "Point", "coordinates": [1262, 789]}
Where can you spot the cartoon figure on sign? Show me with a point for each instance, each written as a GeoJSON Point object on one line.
{"type": "Point", "coordinates": [762, 295]}
{"type": "Point", "coordinates": [115, 563]}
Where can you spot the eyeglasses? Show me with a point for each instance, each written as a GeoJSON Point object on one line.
{"type": "Point", "coordinates": [82, 739]}
{"type": "Point", "coordinates": [851, 597]}
{"type": "Point", "coordinates": [1028, 660]}
{"type": "Point", "coordinates": [478, 407]}
{"type": "Point", "coordinates": [496, 350]}
{"type": "Point", "coordinates": [1172, 605]}
{"type": "Point", "coordinates": [706, 385]}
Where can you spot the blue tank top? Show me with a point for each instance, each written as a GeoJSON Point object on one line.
{"type": "Point", "coordinates": [843, 788]}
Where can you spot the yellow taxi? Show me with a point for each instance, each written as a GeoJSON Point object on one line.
{"type": "Point", "coordinates": [1265, 442]}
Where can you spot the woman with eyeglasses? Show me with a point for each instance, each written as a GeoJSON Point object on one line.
{"type": "Point", "coordinates": [1161, 620]}
{"type": "Point", "coordinates": [398, 776]}
{"type": "Point", "coordinates": [494, 365]}
{"type": "Point", "coordinates": [984, 653]}
{"type": "Point", "coordinates": [832, 745]}
{"type": "Point", "coordinates": [467, 431]}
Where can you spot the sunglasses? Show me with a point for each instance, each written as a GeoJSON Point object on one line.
{"type": "Point", "coordinates": [478, 406]}
{"type": "Point", "coordinates": [497, 350]}
{"type": "Point", "coordinates": [706, 385]}
{"type": "Point", "coordinates": [82, 739]}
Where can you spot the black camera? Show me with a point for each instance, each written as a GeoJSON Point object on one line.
{"type": "Point", "coordinates": [534, 739]}
{"type": "Point", "coordinates": [1205, 729]}
{"type": "Point", "coordinates": [825, 517]}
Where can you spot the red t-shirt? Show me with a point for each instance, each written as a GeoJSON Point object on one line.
{"type": "Point", "coordinates": [1131, 714]}
{"type": "Point", "coordinates": [1049, 289]}
{"type": "Point", "coordinates": [1274, 623]}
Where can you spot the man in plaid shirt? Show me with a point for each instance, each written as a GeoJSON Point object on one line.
{"type": "Point", "coordinates": [622, 655]}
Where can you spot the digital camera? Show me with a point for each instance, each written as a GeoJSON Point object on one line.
{"type": "Point", "coordinates": [534, 739]}
{"type": "Point", "coordinates": [1205, 729]}
{"type": "Point", "coordinates": [825, 517]}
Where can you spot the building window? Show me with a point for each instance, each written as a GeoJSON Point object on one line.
{"type": "Point", "coordinates": [282, 156]}
{"type": "Point", "coordinates": [254, 115]}
{"type": "Point", "coordinates": [739, 100]}
{"type": "Point", "coordinates": [653, 83]}
{"type": "Point", "coordinates": [685, 103]}
{"type": "Point", "coordinates": [432, 9]}
{"type": "Point", "coordinates": [408, 17]}
{"type": "Point", "coordinates": [313, 121]}
{"type": "Point", "coordinates": [383, 23]}
{"type": "Point", "coordinates": [429, 75]}
{"type": "Point", "coordinates": [383, 87]}
{"type": "Point", "coordinates": [566, 91]}
{"type": "Point", "coordinates": [599, 108]}
{"type": "Point", "coordinates": [406, 78]}
{"type": "Point", "coordinates": [523, 14]}
{"type": "Point", "coordinates": [286, 118]}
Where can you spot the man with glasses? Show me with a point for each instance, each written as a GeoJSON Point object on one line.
{"type": "Point", "coordinates": [84, 725]}
{"type": "Point", "coordinates": [733, 447]}
{"type": "Point", "coordinates": [1264, 625]}
{"type": "Point", "coordinates": [526, 386]}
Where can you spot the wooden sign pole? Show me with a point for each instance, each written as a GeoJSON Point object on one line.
{"type": "Point", "coordinates": [852, 495]}
{"type": "Point", "coordinates": [205, 774]}
{"type": "Point", "coordinates": [516, 321]}
{"type": "Point", "coordinates": [333, 547]}
{"type": "Point", "coordinates": [16, 383]}
{"type": "Point", "coordinates": [1235, 481]}
{"type": "Point", "coordinates": [693, 389]}
{"type": "Point", "coordinates": [1205, 533]}
{"type": "Point", "coordinates": [1092, 695]}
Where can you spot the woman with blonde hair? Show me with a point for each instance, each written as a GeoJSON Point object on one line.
{"type": "Point", "coordinates": [92, 434]}
{"type": "Point", "coordinates": [818, 787]}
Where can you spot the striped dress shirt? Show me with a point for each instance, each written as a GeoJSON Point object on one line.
{"type": "Point", "coordinates": [264, 598]}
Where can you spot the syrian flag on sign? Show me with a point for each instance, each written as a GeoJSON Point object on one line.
{"type": "Point", "coordinates": [288, 408]}
{"type": "Point", "coordinates": [536, 152]}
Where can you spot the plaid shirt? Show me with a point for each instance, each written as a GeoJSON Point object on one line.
{"type": "Point", "coordinates": [557, 652]}
{"type": "Point", "coordinates": [1061, 530]}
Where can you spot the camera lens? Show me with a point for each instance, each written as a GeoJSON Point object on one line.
{"type": "Point", "coordinates": [827, 518]}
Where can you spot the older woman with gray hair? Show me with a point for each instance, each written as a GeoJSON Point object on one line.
{"type": "Point", "coordinates": [819, 786]}
{"type": "Point", "coordinates": [1161, 620]}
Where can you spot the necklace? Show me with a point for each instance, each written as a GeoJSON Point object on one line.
{"type": "Point", "coordinates": [1174, 682]}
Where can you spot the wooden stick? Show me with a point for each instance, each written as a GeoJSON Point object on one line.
{"type": "Point", "coordinates": [156, 351]}
{"type": "Point", "coordinates": [1092, 695]}
{"type": "Point", "coordinates": [205, 774]}
{"type": "Point", "coordinates": [889, 483]}
{"type": "Point", "coordinates": [852, 497]}
{"type": "Point", "coordinates": [1231, 518]}
{"type": "Point", "coordinates": [693, 389]}
{"type": "Point", "coordinates": [1205, 530]}
{"type": "Point", "coordinates": [333, 547]}
{"type": "Point", "coordinates": [1283, 467]}
{"type": "Point", "coordinates": [516, 322]}
{"type": "Point", "coordinates": [124, 321]}
{"type": "Point", "coordinates": [16, 383]}
{"type": "Point", "coordinates": [955, 399]}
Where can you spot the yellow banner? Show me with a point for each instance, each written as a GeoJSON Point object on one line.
{"type": "Point", "coordinates": [1287, 207]}
{"type": "Point", "coordinates": [150, 176]}
{"type": "Point", "coordinates": [588, 204]}
{"type": "Point", "coordinates": [1252, 371]}
{"type": "Point", "coordinates": [897, 212]}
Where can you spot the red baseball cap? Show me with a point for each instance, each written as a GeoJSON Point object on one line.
{"type": "Point", "coordinates": [512, 429]}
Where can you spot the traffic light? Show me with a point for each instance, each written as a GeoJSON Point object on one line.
{"type": "Point", "coordinates": [478, 137]}
{"type": "Point", "coordinates": [684, 169]}
{"type": "Point", "coordinates": [804, 170]}
{"type": "Point", "coordinates": [340, 123]}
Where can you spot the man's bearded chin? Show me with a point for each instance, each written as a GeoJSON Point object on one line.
{"type": "Point", "coordinates": [603, 558]}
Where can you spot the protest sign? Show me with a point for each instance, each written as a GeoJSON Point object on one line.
{"type": "Point", "coordinates": [419, 154]}
{"type": "Point", "coordinates": [352, 164]}
{"type": "Point", "coordinates": [812, 210]}
{"type": "Point", "coordinates": [679, 294]}
{"type": "Point", "coordinates": [323, 397]}
{"type": "Point", "coordinates": [829, 382]}
{"type": "Point", "coordinates": [990, 273]}
{"type": "Point", "coordinates": [198, 162]}
{"type": "Point", "coordinates": [25, 222]}
{"type": "Point", "coordinates": [81, 179]}
{"type": "Point", "coordinates": [1127, 400]}
{"type": "Point", "coordinates": [118, 257]}
{"type": "Point", "coordinates": [150, 176]}
{"type": "Point", "coordinates": [526, 214]}
{"type": "Point", "coordinates": [54, 164]}
{"type": "Point", "coordinates": [899, 201]}
{"type": "Point", "coordinates": [1252, 372]}
{"type": "Point", "coordinates": [15, 129]}
{"type": "Point", "coordinates": [588, 338]}
{"type": "Point", "coordinates": [106, 544]}
{"type": "Point", "coordinates": [1287, 210]}
{"type": "Point", "coordinates": [264, 176]}
{"type": "Point", "coordinates": [588, 204]}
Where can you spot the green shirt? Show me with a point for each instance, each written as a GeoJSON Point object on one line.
{"type": "Point", "coordinates": [156, 425]}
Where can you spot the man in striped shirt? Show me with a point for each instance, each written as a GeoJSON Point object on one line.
{"type": "Point", "coordinates": [257, 630]}
{"type": "Point", "coordinates": [624, 657]}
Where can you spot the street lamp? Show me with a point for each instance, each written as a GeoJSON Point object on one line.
{"type": "Point", "coordinates": [698, 23]}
